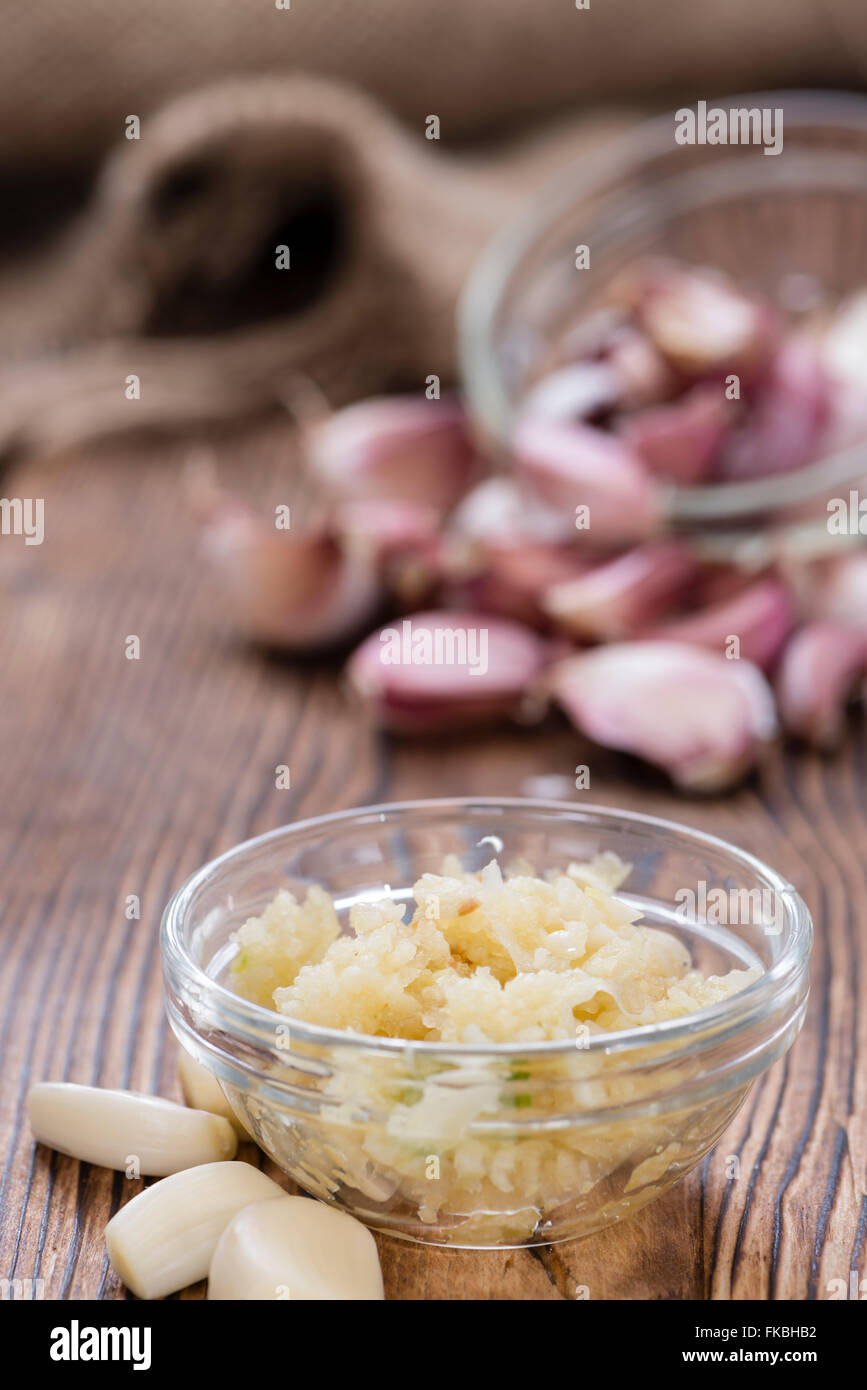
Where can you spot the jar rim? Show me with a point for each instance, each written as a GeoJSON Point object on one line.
{"type": "Point", "coordinates": [590, 174]}
{"type": "Point", "coordinates": [240, 1016]}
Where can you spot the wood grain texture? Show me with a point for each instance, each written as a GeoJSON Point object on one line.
{"type": "Point", "coordinates": [121, 777]}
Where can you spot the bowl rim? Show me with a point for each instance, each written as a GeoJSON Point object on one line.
{"type": "Point", "coordinates": [490, 274]}
{"type": "Point", "coordinates": [737, 1011]}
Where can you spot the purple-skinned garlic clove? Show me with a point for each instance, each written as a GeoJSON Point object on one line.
{"type": "Point", "coordinates": [506, 549]}
{"type": "Point", "coordinates": [702, 719]}
{"type": "Point", "coordinates": [297, 590]}
{"type": "Point", "coordinates": [844, 346]}
{"type": "Point", "coordinates": [576, 392]}
{"type": "Point", "coordinates": [784, 423]}
{"type": "Point", "coordinates": [592, 477]}
{"type": "Point", "coordinates": [405, 541]}
{"type": "Point", "coordinates": [445, 669]}
{"type": "Point", "coordinates": [404, 448]}
{"type": "Point", "coordinates": [698, 319]}
{"type": "Point", "coordinates": [623, 597]}
{"type": "Point", "coordinates": [752, 625]}
{"type": "Point", "coordinates": [497, 512]}
{"type": "Point", "coordinates": [819, 672]}
{"type": "Point", "coordinates": [839, 589]}
{"type": "Point", "coordinates": [514, 580]}
{"type": "Point", "coordinates": [681, 441]}
{"type": "Point", "coordinates": [643, 376]}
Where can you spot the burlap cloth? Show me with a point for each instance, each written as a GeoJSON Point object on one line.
{"type": "Point", "coordinates": [170, 274]}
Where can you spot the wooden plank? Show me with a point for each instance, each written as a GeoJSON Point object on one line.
{"type": "Point", "coordinates": [121, 777]}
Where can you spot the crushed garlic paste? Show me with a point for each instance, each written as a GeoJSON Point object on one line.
{"type": "Point", "coordinates": [483, 959]}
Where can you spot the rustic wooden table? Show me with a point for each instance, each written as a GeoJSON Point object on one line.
{"type": "Point", "coordinates": [122, 776]}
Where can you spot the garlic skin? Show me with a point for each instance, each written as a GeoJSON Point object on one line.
{"type": "Point", "coordinates": [409, 694]}
{"type": "Point", "coordinates": [702, 719]}
{"type": "Point", "coordinates": [202, 1091]}
{"type": "Point", "coordinates": [820, 670]}
{"type": "Point", "coordinates": [624, 596]}
{"type": "Point", "coordinates": [573, 465]}
{"type": "Point", "coordinates": [297, 1249]}
{"type": "Point", "coordinates": [760, 617]}
{"type": "Point", "coordinates": [164, 1239]}
{"type": "Point", "coordinates": [299, 591]}
{"type": "Point", "coordinates": [395, 448]}
{"type": "Point", "coordinates": [113, 1128]}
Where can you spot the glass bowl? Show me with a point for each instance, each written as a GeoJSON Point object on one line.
{"type": "Point", "coordinates": [497, 1145]}
{"type": "Point", "coordinates": [792, 226]}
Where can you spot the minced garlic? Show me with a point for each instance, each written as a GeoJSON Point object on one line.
{"type": "Point", "coordinates": [483, 958]}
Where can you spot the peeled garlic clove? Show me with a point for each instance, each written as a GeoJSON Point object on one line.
{"type": "Point", "coordinates": [164, 1239]}
{"type": "Point", "coordinates": [298, 590]}
{"type": "Point", "coordinates": [625, 595]}
{"type": "Point", "coordinates": [575, 392]}
{"type": "Point", "coordinates": [819, 672]}
{"type": "Point", "coordinates": [700, 321]}
{"type": "Point", "coordinates": [115, 1129]}
{"type": "Point", "coordinates": [701, 718]}
{"type": "Point", "coordinates": [577, 466]}
{"type": "Point", "coordinates": [400, 447]}
{"type": "Point", "coordinates": [202, 1091]}
{"type": "Point", "coordinates": [446, 669]}
{"type": "Point", "coordinates": [760, 617]}
{"type": "Point", "coordinates": [681, 441]}
{"type": "Point", "coordinates": [785, 421]}
{"type": "Point", "coordinates": [296, 1249]}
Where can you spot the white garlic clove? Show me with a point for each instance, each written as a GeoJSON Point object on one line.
{"type": "Point", "coordinates": [295, 1249]}
{"type": "Point", "coordinates": [624, 596]}
{"type": "Point", "coordinates": [820, 670]}
{"type": "Point", "coordinates": [758, 620]}
{"type": "Point", "coordinates": [445, 669]}
{"type": "Point", "coordinates": [164, 1239]}
{"type": "Point", "coordinates": [123, 1129]}
{"type": "Point", "coordinates": [701, 718]}
{"type": "Point", "coordinates": [592, 477]}
{"type": "Point", "coordinates": [202, 1091]}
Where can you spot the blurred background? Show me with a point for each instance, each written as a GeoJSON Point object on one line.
{"type": "Point", "coordinates": [223, 225]}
